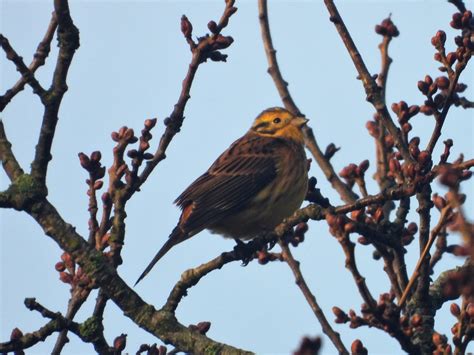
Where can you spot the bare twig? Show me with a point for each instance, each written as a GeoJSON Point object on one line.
{"type": "Point", "coordinates": [459, 4]}
{"type": "Point", "coordinates": [282, 86]}
{"type": "Point", "coordinates": [26, 73]}
{"type": "Point", "coordinates": [39, 58]}
{"type": "Point", "coordinates": [445, 212]}
{"type": "Point", "coordinates": [371, 88]}
{"type": "Point", "coordinates": [68, 41]}
{"type": "Point", "coordinates": [311, 299]}
{"type": "Point", "coordinates": [200, 53]}
{"type": "Point", "coordinates": [441, 117]}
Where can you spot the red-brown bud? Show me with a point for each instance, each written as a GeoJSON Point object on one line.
{"type": "Point", "coordinates": [413, 110]}
{"type": "Point", "coordinates": [423, 87]}
{"type": "Point", "coordinates": [65, 277]}
{"type": "Point", "coordinates": [339, 313]}
{"type": "Point", "coordinates": [427, 110]}
{"type": "Point", "coordinates": [115, 136]}
{"type": "Point", "coordinates": [437, 339]}
{"type": "Point", "coordinates": [451, 58]}
{"type": "Point", "coordinates": [454, 309]}
{"type": "Point", "coordinates": [98, 184]}
{"type": "Point", "coordinates": [373, 128]}
{"type": "Point", "coordinates": [301, 228]}
{"type": "Point", "coordinates": [150, 123]}
{"type": "Point", "coordinates": [222, 42]}
{"type": "Point", "coordinates": [466, 18]}
{"type": "Point", "coordinates": [358, 348]}
{"type": "Point", "coordinates": [456, 23]}
{"type": "Point", "coordinates": [439, 201]}
{"type": "Point", "coordinates": [363, 166]}
{"type": "Point", "coordinates": [424, 158]}
{"type": "Point", "coordinates": [186, 27]}
{"type": "Point", "coordinates": [406, 127]}
{"type": "Point", "coordinates": [203, 327]}
{"type": "Point", "coordinates": [120, 342]}
{"type": "Point", "coordinates": [262, 257]}
{"type": "Point", "coordinates": [349, 227]}
{"type": "Point", "coordinates": [412, 228]}
{"type": "Point", "coordinates": [212, 25]}
{"type": "Point", "coordinates": [96, 156]}
{"type": "Point", "coordinates": [60, 266]}
{"type": "Point", "coordinates": [442, 82]}
{"type": "Point", "coordinates": [416, 320]}
{"type": "Point", "coordinates": [396, 108]}
{"type": "Point", "coordinates": [455, 328]}
{"type": "Point", "coordinates": [470, 310]}
{"type": "Point", "coordinates": [106, 199]}
{"type": "Point", "coordinates": [16, 334]}
{"type": "Point", "coordinates": [84, 160]}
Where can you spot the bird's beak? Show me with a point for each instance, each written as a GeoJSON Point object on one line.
{"type": "Point", "coordinates": [299, 121]}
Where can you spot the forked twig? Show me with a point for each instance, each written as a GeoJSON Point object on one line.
{"type": "Point", "coordinates": [445, 213]}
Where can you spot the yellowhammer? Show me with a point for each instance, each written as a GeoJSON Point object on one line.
{"type": "Point", "coordinates": [257, 182]}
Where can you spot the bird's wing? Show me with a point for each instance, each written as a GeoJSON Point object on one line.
{"type": "Point", "coordinates": [235, 178]}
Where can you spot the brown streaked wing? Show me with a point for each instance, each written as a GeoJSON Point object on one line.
{"type": "Point", "coordinates": [231, 182]}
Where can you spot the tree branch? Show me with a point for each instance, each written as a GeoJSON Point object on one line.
{"type": "Point", "coordinates": [39, 58]}
{"type": "Point", "coordinates": [68, 41]}
{"type": "Point", "coordinates": [94, 264]}
{"type": "Point", "coordinates": [311, 299]}
{"type": "Point", "coordinates": [9, 162]}
{"type": "Point", "coordinates": [25, 72]}
{"type": "Point", "coordinates": [372, 90]}
{"type": "Point", "coordinates": [282, 86]}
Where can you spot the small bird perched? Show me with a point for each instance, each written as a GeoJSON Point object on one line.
{"type": "Point", "coordinates": [258, 181]}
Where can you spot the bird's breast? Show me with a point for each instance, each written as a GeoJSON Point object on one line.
{"type": "Point", "coordinates": [278, 200]}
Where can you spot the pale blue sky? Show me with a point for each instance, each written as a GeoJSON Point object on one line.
{"type": "Point", "coordinates": [129, 67]}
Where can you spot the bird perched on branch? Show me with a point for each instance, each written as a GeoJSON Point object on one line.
{"type": "Point", "coordinates": [257, 182]}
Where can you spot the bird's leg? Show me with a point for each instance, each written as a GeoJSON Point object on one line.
{"type": "Point", "coordinates": [244, 251]}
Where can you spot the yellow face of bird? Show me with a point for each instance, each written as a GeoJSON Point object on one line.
{"type": "Point", "coordinates": [278, 122]}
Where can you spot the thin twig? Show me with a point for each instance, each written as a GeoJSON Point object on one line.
{"type": "Point", "coordinates": [441, 117]}
{"type": "Point", "coordinates": [459, 4]}
{"type": "Point", "coordinates": [371, 88]}
{"type": "Point", "coordinates": [39, 59]}
{"type": "Point", "coordinates": [200, 54]}
{"type": "Point", "coordinates": [282, 86]}
{"type": "Point", "coordinates": [25, 72]}
{"type": "Point", "coordinates": [351, 265]}
{"type": "Point", "coordinates": [78, 297]}
{"type": "Point", "coordinates": [445, 212]}
{"type": "Point", "coordinates": [311, 299]}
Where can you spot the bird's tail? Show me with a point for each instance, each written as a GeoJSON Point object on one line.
{"type": "Point", "coordinates": [177, 236]}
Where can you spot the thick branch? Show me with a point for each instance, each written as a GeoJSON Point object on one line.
{"type": "Point", "coordinates": [159, 323]}
{"type": "Point", "coordinates": [68, 41]}
{"type": "Point", "coordinates": [9, 162]}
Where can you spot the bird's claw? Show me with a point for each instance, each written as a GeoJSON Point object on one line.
{"type": "Point", "coordinates": [244, 252]}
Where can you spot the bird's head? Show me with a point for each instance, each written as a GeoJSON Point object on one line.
{"type": "Point", "coordinates": [278, 122]}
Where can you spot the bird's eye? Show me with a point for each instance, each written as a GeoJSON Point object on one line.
{"type": "Point", "coordinates": [277, 120]}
